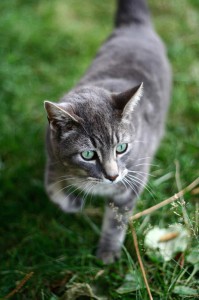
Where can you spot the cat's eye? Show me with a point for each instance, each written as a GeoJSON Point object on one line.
{"type": "Point", "coordinates": [121, 148]}
{"type": "Point", "coordinates": [88, 154]}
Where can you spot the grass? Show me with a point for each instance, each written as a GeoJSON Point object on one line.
{"type": "Point", "coordinates": [45, 48]}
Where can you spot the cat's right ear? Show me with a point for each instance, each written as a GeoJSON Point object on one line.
{"type": "Point", "coordinates": [127, 101]}
{"type": "Point", "coordinates": [59, 114]}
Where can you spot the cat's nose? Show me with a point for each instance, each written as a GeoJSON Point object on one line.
{"type": "Point", "coordinates": [111, 178]}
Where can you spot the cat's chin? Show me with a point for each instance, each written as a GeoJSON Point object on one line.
{"type": "Point", "coordinates": [107, 187]}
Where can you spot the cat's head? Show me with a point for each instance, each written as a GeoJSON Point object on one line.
{"type": "Point", "coordinates": [91, 132]}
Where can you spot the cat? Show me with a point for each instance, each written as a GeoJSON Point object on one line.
{"type": "Point", "coordinates": [103, 134]}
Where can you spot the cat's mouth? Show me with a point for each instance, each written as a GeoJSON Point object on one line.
{"type": "Point", "coordinates": [111, 180]}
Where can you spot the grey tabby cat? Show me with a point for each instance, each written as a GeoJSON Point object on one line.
{"type": "Point", "coordinates": [104, 133]}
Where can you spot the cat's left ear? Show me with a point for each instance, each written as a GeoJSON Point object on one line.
{"type": "Point", "coordinates": [60, 114]}
{"type": "Point", "coordinates": [127, 101]}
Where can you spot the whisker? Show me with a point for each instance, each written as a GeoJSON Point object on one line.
{"type": "Point", "coordinates": [139, 180]}
{"type": "Point", "coordinates": [94, 179]}
{"type": "Point", "coordinates": [139, 172]}
{"type": "Point", "coordinates": [92, 193]}
{"type": "Point", "coordinates": [65, 176]}
{"type": "Point", "coordinates": [143, 184]}
{"type": "Point", "coordinates": [145, 164]}
{"type": "Point", "coordinates": [131, 186]}
{"type": "Point", "coordinates": [66, 187]}
{"type": "Point", "coordinates": [89, 188]}
{"type": "Point", "coordinates": [73, 191]}
{"type": "Point", "coordinates": [144, 158]}
{"type": "Point", "coordinates": [123, 182]}
{"type": "Point", "coordinates": [78, 195]}
{"type": "Point", "coordinates": [70, 178]}
{"type": "Point", "coordinates": [81, 191]}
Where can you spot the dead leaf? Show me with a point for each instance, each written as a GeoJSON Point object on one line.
{"type": "Point", "coordinates": [164, 243]}
{"type": "Point", "coordinates": [99, 273]}
{"type": "Point", "coordinates": [78, 290]}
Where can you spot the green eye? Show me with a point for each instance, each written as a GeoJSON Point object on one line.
{"type": "Point", "coordinates": [121, 148]}
{"type": "Point", "coordinates": [88, 155]}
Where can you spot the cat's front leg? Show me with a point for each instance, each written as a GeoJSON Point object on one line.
{"type": "Point", "coordinates": [114, 230]}
{"type": "Point", "coordinates": [67, 202]}
{"type": "Point", "coordinates": [57, 192]}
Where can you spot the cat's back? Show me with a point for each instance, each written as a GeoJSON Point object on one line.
{"type": "Point", "coordinates": [132, 54]}
{"type": "Point", "coordinates": [129, 49]}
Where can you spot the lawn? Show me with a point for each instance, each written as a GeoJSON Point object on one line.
{"type": "Point", "coordinates": [45, 48]}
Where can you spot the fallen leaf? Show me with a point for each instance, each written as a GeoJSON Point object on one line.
{"type": "Point", "coordinates": [164, 243]}
{"type": "Point", "coordinates": [99, 273]}
{"type": "Point", "coordinates": [78, 290]}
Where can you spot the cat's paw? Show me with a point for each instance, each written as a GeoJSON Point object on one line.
{"type": "Point", "coordinates": [107, 256]}
{"type": "Point", "coordinates": [72, 204]}
{"type": "Point", "coordinates": [69, 204]}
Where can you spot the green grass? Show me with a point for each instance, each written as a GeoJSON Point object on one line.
{"type": "Point", "coordinates": [45, 48]}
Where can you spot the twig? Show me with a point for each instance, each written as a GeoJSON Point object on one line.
{"type": "Point", "coordinates": [140, 260]}
{"type": "Point", "coordinates": [19, 286]}
{"type": "Point", "coordinates": [165, 202]}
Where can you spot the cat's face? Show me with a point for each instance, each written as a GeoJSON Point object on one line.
{"type": "Point", "coordinates": [92, 134]}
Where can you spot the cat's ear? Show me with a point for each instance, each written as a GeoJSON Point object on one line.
{"type": "Point", "coordinates": [127, 101]}
{"type": "Point", "coordinates": [60, 114]}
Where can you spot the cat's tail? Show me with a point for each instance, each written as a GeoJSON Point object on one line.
{"type": "Point", "coordinates": [132, 12]}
